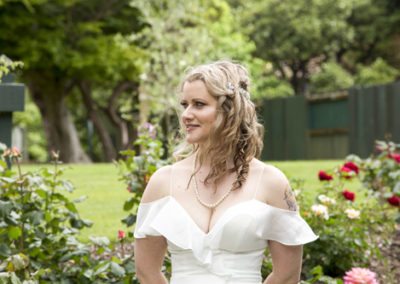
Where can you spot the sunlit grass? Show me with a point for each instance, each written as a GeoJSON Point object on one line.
{"type": "Point", "coordinates": [106, 195]}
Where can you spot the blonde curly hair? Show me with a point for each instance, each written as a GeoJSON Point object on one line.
{"type": "Point", "coordinates": [236, 121]}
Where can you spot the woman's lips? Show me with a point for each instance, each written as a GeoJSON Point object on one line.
{"type": "Point", "coordinates": [190, 127]}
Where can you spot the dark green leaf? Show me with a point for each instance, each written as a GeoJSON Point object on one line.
{"type": "Point", "coordinates": [129, 220]}
{"type": "Point", "coordinates": [128, 205]}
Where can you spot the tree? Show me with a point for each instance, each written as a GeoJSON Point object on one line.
{"type": "Point", "coordinates": [182, 34]}
{"type": "Point", "coordinates": [297, 34]}
{"type": "Point", "coordinates": [375, 24]}
{"type": "Point", "coordinates": [67, 45]}
{"type": "Point", "coordinates": [377, 73]}
{"type": "Point", "coordinates": [332, 77]}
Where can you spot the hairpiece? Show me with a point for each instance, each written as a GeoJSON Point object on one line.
{"type": "Point", "coordinates": [230, 87]}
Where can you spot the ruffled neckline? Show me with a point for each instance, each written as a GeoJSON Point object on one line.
{"type": "Point", "coordinates": [223, 216]}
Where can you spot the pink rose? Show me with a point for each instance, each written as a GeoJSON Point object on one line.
{"type": "Point", "coordinates": [121, 234]}
{"type": "Point", "coordinates": [360, 276]}
{"type": "Point", "coordinates": [395, 157]}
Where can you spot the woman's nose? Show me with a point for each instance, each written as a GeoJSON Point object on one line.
{"type": "Point", "coordinates": [187, 114]}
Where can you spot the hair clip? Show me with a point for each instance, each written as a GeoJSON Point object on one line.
{"type": "Point", "coordinates": [230, 86]}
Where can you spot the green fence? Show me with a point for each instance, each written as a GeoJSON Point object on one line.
{"type": "Point", "coordinates": [331, 126]}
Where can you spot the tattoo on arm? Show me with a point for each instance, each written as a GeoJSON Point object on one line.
{"type": "Point", "coordinates": [290, 200]}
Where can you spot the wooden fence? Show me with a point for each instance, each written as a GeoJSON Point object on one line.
{"type": "Point", "coordinates": [331, 126]}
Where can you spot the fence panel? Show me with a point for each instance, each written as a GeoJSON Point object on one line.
{"type": "Point", "coordinates": [375, 116]}
{"type": "Point", "coordinates": [332, 127]}
{"type": "Point", "coordinates": [285, 128]}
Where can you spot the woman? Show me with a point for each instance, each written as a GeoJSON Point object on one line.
{"type": "Point", "coordinates": [218, 207]}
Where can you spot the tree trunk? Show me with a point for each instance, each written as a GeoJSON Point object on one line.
{"type": "Point", "coordinates": [299, 77]}
{"type": "Point", "coordinates": [60, 131]}
{"type": "Point", "coordinates": [112, 111]}
{"type": "Point", "coordinates": [105, 138]}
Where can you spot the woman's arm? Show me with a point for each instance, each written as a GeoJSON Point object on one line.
{"type": "Point", "coordinates": [149, 257]}
{"type": "Point", "coordinates": [286, 260]}
{"type": "Point", "coordinates": [150, 251]}
{"type": "Point", "coordinates": [286, 263]}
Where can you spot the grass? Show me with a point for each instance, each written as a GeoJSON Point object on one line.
{"type": "Point", "coordinates": [106, 195]}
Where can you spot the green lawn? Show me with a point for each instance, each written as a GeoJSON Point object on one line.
{"type": "Point", "coordinates": [106, 195]}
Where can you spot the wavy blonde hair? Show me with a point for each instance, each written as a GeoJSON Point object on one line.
{"type": "Point", "coordinates": [236, 134]}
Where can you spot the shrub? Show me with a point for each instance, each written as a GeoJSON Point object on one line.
{"type": "Point", "coordinates": [380, 174]}
{"type": "Point", "coordinates": [378, 72]}
{"type": "Point", "coordinates": [332, 77]}
{"type": "Point", "coordinates": [352, 226]}
{"type": "Point", "coordinates": [38, 232]}
{"type": "Point", "coordinates": [135, 170]}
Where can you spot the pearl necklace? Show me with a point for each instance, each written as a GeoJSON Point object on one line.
{"type": "Point", "coordinates": [211, 206]}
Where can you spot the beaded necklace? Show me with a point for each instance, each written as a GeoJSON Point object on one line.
{"type": "Point", "coordinates": [196, 190]}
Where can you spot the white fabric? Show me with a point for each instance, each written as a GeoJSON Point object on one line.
{"type": "Point", "coordinates": [233, 250]}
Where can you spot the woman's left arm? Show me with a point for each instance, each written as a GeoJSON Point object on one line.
{"type": "Point", "coordinates": [286, 263]}
{"type": "Point", "coordinates": [286, 260]}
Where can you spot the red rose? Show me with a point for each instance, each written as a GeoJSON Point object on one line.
{"type": "Point", "coordinates": [349, 195]}
{"type": "Point", "coordinates": [394, 200]}
{"type": "Point", "coordinates": [395, 157]}
{"type": "Point", "coordinates": [121, 234]}
{"type": "Point", "coordinates": [324, 176]}
{"type": "Point", "coordinates": [346, 172]}
{"type": "Point", "coordinates": [353, 167]}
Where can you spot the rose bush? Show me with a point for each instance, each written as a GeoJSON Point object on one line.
{"type": "Point", "coordinates": [135, 170]}
{"type": "Point", "coordinates": [353, 226]}
{"type": "Point", "coordinates": [380, 173]}
{"type": "Point", "coordinates": [39, 226]}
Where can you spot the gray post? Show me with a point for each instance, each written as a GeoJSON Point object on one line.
{"type": "Point", "coordinates": [11, 99]}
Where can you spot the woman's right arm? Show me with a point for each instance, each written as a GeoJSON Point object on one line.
{"type": "Point", "coordinates": [149, 258]}
{"type": "Point", "coordinates": [150, 251]}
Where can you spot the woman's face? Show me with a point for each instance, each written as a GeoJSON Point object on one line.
{"type": "Point", "coordinates": [200, 111]}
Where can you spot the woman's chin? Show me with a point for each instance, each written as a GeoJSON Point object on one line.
{"type": "Point", "coordinates": [192, 140]}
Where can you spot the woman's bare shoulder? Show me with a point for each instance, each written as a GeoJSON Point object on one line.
{"type": "Point", "coordinates": [158, 185]}
{"type": "Point", "coordinates": [275, 188]}
{"type": "Point", "coordinates": [161, 181]}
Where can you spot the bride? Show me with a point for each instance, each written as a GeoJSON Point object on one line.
{"type": "Point", "coordinates": [218, 207]}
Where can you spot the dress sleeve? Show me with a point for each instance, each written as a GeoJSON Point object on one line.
{"type": "Point", "coordinates": [146, 214]}
{"type": "Point", "coordinates": [286, 227]}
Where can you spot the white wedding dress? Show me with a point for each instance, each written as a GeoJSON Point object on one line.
{"type": "Point", "coordinates": [233, 250]}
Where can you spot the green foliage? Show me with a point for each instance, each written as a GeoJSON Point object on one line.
{"type": "Point", "coordinates": [381, 172]}
{"type": "Point", "coordinates": [375, 24]}
{"type": "Point", "coordinates": [30, 120]}
{"type": "Point", "coordinates": [332, 77]}
{"type": "Point", "coordinates": [78, 46]}
{"type": "Point", "coordinates": [317, 276]}
{"type": "Point", "coordinates": [308, 33]}
{"type": "Point", "coordinates": [303, 31]}
{"type": "Point", "coordinates": [7, 65]}
{"type": "Point", "coordinates": [378, 72]}
{"type": "Point", "coordinates": [351, 232]}
{"type": "Point", "coordinates": [182, 34]}
{"type": "Point", "coordinates": [266, 84]}
{"type": "Point", "coordinates": [136, 170]}
{"type": "Point", "coordinates": [39, 225]}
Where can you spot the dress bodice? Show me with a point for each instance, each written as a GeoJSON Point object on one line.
{"type": "Point", "coordinates": [232, 251]}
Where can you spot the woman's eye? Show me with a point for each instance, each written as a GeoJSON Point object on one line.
{"type": "Point", "coordinates": [199, 104]}
{"type": "Point", "coordinates": [184, 105]}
